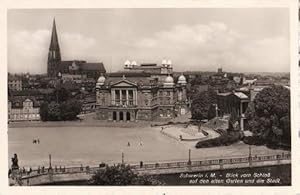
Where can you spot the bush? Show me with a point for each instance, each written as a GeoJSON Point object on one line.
{"type": "Point", "coordinates": [225, 139]}
{"type": "Point", "coordinates": [121, 175]}
{"type": "Point", "coordinates": [53, 111]}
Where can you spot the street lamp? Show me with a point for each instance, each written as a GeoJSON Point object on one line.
{"type": "Point", "coordinates": [50, 166]}
{"type": "Point", "coordinates": [250, 156]}
{"type": "Point", "coordinates": [59, 80]}
{"type": "Point", "coordinates": [189, 161]}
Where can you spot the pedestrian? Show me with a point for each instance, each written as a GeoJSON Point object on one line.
{"type": "Point", "coordinates": [38, 141]}
{"type": "Point", "coordinates": [128, 144]}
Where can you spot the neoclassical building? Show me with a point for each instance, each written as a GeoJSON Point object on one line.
{"type": "Point", "coordinates": [141, 92]}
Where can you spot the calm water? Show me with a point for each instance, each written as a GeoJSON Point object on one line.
{"type": "Point", "coordinates": [72, 146]}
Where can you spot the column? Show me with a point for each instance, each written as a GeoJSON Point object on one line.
{"type": "Point", "coordinates": [127, 99]}
{"type": "Point", "coordinates": [241, 109]}
{"type": "Point", "coordinates": [117, 116]}
{"type": "Point", "coordinates": [113, 97]}
{"type": "Point", "coordinates": [120, 91]}
{"type": "Point", "coordinates": [135, 97]}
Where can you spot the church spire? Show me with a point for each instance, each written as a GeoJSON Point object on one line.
{"type": "Point", "coordinates": [54, 57]}
{"type": "Point", "coordinates": [54, 40]}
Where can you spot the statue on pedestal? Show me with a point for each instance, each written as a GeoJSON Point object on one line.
{"type": "Point", "coordinates": [14, 160]}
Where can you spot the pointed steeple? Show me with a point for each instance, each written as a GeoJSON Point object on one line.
{"type": "Point", "coordinates": [54, 40]}
{"type": "Point", "coordinates": [54, 57]}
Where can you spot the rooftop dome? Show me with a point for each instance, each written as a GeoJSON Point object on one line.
{"type": "Point", "coordinates": [169, 62]}
{"type": "Point", "coordinates": [100, 81]}
{"type": "Point", "coordinates": [164, 62]}
{"type": "Point", "coordinates": [169, 81]}
{"type": "Point", "coordinates": [127, 63]}
{"type": "Point", "coordinates": [181, 79]}
{"type": "Point", "coordinates": [133, 63]}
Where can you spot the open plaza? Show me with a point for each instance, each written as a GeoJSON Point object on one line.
{"type": "Point", "coordinates": [79, 145]}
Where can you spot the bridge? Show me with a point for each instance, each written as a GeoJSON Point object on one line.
{"type": "Point", "coordinates": [56, 175]}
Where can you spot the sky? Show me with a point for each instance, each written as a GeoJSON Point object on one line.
{"type": "Point", "coordinates": [194, 39]}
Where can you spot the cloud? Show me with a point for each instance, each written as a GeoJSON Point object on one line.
{"type": "Point", "coordinates": [190, 47]}
{"type": "Point", "coordinates": [76, 46]}
{"type": "Point", "coordinates": [28, 51]}
{"type": "Point", "coordinates": [215, 44]}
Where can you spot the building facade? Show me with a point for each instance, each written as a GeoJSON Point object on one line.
{"type": "Point", "coordinates": [15, 83]}
{"type": "Point", "coordinates": [23, 109]}
{"type": "Point", "coordinates": [233, 102]}
{"type": "Point", "coordinates": [144, 92]}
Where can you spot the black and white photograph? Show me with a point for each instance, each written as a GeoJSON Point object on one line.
{"type": "Point", "coordinates": [149, 97]}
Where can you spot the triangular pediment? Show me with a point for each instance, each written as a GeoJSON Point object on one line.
{"type": "Point", "coordinates": [124, 83]}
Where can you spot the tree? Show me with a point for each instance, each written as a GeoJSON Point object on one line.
{"type": "Point", "coordinates": [70, 109]}
{"type": "Point", "coordinates": [60, 95]}
{"type": "Point", "coordinates": [121, 175]}
{"type": "Point", "coordinates": [233, 121]}
{"type": "Point", "coordinates": [202, 103]}
{"type": "Point", "coordinates": [54, 113]}
{"type": "Point", "coordinates": [269, 115]}
{"type": "Point", "coordinates": [44, 111]}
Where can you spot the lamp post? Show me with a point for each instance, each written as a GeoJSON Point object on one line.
{"type": "Point", "coordinates": [189, 161]}
{"type": "Point", "coordinates": [122, 157]}
{"type": "Point", "coordinates": [59, 80]}
{"type": "Point", "coordinates": [50, 166]}
{"type": "Point", "coordinates": [250, 156]}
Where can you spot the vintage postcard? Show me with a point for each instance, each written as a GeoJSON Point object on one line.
{"type": "Point", "coordinates": [149, 96]}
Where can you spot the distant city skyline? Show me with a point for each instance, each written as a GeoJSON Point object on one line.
{"type": "Point", "coordinates": [202, 39]}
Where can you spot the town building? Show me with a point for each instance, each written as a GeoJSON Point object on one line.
{"type": "Point", "coordinates": [23, 109]}
{"type": "Point", "coordinates": [233, 103]}
{"type": "Point", "coordinates": [76, 67]}
{"type": "Point", "coordinates": [141, 92]}
{"type": "Point", "coordinates": [14, 83]}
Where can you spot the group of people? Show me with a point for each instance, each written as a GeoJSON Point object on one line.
{"type": "Point", "coordinates": [36, 141]}
{"type": "Point", "coordinates": [141, 143]}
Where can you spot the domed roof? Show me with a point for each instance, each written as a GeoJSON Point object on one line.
{"type": "Point", "coordinates": [164, 62]}
{"type": "Point", "coordinates": [169, 79]}
{"type": "Point", "coordinates": [127, 63]}
{"type": "Point", "coordinates": [181, 79]}
{"type": "Point", "coordinates": [101, 80]}
{"type": "Point", "coordinates": [133, 63]}
{"type": "Point", "coordinates": [169, 62]}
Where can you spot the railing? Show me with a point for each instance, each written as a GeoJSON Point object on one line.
{"type": "Point", "coordinates": [157, 166]}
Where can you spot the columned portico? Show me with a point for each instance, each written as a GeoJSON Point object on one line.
{"type": "Point", "coordinates": [126, 97]}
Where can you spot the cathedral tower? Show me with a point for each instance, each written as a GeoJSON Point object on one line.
{"type": "Point", "coordinates": [54, 57]}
